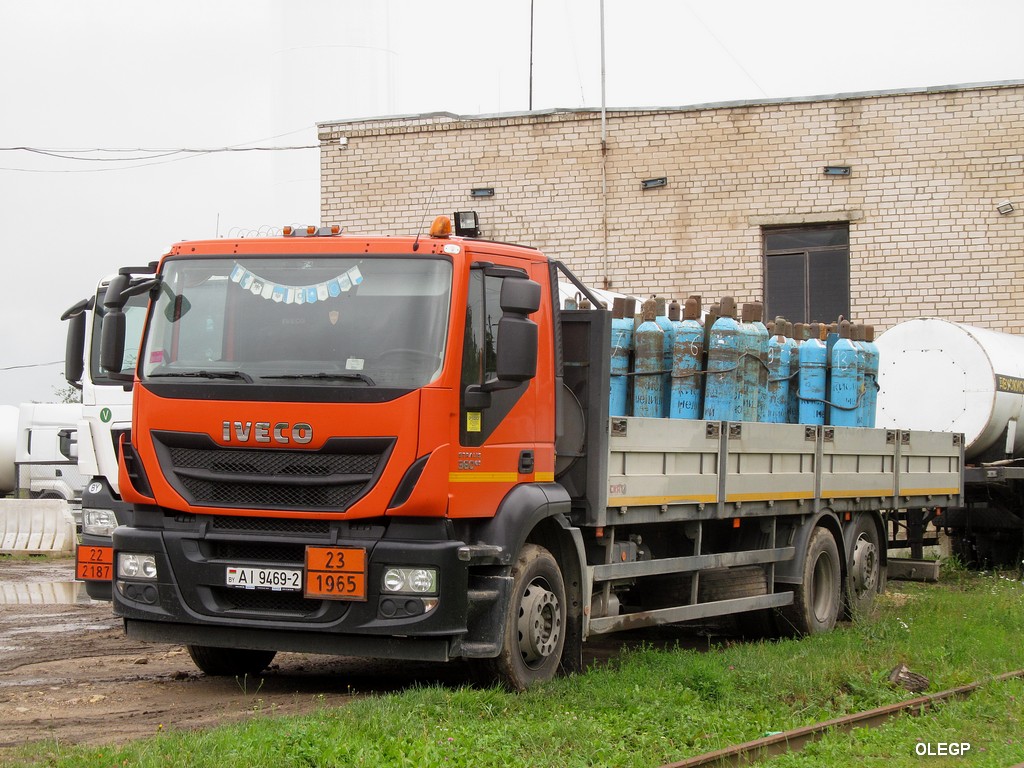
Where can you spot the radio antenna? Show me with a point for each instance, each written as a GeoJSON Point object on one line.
{"type": "Point", "coordinates": [416, 242]}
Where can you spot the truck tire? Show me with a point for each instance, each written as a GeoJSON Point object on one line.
{"type": "Point", "coordinates": [535, 624]}
{"type": "Point", "coordinates": [229, 662]}
{"type": "Point", "coordinates": [817, 602]}
{"type": "Point", "coordinates": [864, 569]}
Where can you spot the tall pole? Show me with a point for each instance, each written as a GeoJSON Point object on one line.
{"type": "Point", "coordinates": [604, 166]}
{"type": "Point", "coordinates": [531, 56]}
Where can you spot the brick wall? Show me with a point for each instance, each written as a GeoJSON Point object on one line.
{"type": "Point", "coordinates": [928, 168]}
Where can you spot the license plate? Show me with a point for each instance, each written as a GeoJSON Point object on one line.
{"type": "Point", "coordinates": [94, 563]}
{"type": "Point", "coordinates": [275, 579]}
{"type": "Point", "coordinates": [336, 573]}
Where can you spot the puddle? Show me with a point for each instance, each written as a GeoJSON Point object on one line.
{"type": "Point", "coordinates": [44, 593]}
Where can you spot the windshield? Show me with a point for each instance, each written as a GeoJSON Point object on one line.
{"type": "Point", "coordinates": [338, 321]}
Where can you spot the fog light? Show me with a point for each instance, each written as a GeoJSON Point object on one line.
{"type": "Point", "coordinates": [410, 580]}
{"type": "Point", "coordinates": [98, 522]}
{"type": "Point", "coordinates": [133, 566]}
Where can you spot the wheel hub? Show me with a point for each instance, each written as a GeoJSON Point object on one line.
{"type": "Point", "coordinates": [865, 566]}
{"type": "Point", "coordinates": [540, 622]}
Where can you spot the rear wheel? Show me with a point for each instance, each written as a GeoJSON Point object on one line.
{"type": "Point", "coordinates": [535, 626]}
{"type": "Point", "coordinates": [865, 568]}
{"type": "Point", "coordinates": [228, 662]}
{"type": "Point", "coordinates": [817, 602]}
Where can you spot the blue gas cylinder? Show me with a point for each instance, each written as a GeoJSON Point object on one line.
{"type": "Point", "coordinates": [776, 398]}
{"type": "Point", "coordinates": [648, 360]}
{"type": "Point", "coordinates": [622, 346]}
{"type": "Point", "coordinates": [797, 337]}
{"type": "Point", "coordinates": [748, 371]}
{"type": "Point", "coordinates": [721, 394]}
{"type": "Point", "coordinates": [857, 337]}
{"type": "Point", "coordinates": [813, 360]}
{"type": "Point", "coordinates": [845, 388]}
{"type": "Point", "coordinates": [687, 351]}
{"type": "Point", "coordinates": [759, 362]}
{"type": "Point", "coordinates": [869, 401]}
{"type": "Point", "coordinates": [669, 332]}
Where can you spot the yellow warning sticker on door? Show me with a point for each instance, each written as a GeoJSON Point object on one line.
{"type": "Point", "coordinates": [473, 421]}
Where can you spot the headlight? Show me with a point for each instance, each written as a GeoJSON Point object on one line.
{"type": "Point", "coordinates": [410, 580]}
{"type": "Point", "coordinates": [98, 522]}
{"type": "Point", "coordinates": [132, 566]}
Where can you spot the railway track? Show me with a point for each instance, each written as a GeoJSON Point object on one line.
{"type": "Point", "coordinates": [789, 741]}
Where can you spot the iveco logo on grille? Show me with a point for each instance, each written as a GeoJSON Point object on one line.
{"type": "Point", "coordinates": [282, 432]}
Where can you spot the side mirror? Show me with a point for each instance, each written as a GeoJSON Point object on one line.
{"type": "Point", "coordinates": [517, 334]}
{"type": "Point", "coordinates": [112, 343]}
{"type": "Point", "coordinates": [517, 349]}
{"type": "Point", "coordinates": [74, 349]}
{"type": "Point", "coordinates": [516, 342]}
{"type": "Point", "coordinates": [68, 440]}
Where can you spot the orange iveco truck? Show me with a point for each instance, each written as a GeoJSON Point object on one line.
{"type": "Point", "coordinates": [400, 447]}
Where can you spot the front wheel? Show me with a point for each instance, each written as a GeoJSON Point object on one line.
{"type": "Point", "coordinates": [535, 624]}
{"type": "Point", "coordinates": [227, 662]}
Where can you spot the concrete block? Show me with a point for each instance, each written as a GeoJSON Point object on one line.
{"type": "Point", "coordinates": [36, 526]}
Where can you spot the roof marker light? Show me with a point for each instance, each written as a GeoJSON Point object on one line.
{"type": "Point", "coordinates": [442, 227]}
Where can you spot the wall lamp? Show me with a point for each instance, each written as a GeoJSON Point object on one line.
{"type": "Point", "coordinates": [654, 183]}
{"type": "Point", "coordinates": [1005, 207]}
{"type": "Point", "coordinates": [836, 170]}
{"type": "Point", "coordinates": [467, 224]}
{"type": "Point", "coordinates": [481, 192]}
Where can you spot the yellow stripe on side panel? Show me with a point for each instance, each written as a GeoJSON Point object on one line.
{"type": "Point", "coordinates": [482, 477]}
{"type": "Point", "coordinates": [766, 495]}
{"type": "Point", "coordinates": [929, 491]}
{"type": "Point", "coordinates": [640, 501]}
{"type": "Point", "coordinates": [497, 477]}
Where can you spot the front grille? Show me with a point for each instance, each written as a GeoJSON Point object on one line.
{"type": "Point", "coordinates": [221, 493]}
{"type": "Point", "coordinates": [259, 600]}
{"type": "Point", "coordinates": [269, 462]}
{"type": "Point", "coordinates": [329, 479]}
{"type": "Point", "coordinates": [259, 551]}
{"type": "Point", "coordinates": [270, 525]}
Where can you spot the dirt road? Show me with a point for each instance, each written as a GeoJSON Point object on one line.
{"type": "Point", "coordinates": [68, 673]}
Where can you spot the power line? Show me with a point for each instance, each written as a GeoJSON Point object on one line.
{"type": "Point", "coordinates": [30, 365]}
{"type": "Point", "coordinates": [150, 156]}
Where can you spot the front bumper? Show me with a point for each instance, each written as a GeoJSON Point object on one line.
{"type": "Point", "coordinates": [189, 601]}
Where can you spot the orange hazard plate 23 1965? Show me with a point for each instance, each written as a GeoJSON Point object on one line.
{"type": "Point", "coordinates": [335, 573]}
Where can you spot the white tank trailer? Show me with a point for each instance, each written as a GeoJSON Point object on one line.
{"type": "Point", "coordinates": [941, 375]}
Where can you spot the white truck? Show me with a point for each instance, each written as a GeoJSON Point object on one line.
{"type": "Point", "coordinates": [38, 452]}
{"type": "Point", "coordinates": [105, 416]}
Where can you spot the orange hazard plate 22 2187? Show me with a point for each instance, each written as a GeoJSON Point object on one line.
{"type": "Point", "coordinates": [94, 563]}
{"type": "Point", "coordinates": [335, 573]}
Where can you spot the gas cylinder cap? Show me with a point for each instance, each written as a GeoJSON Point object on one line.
{"type": "Point", "coordinates": [727, 307]}
{"type": "Point", "coordinates": [691, 309]}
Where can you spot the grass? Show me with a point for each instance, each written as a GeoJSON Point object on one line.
{"type": "Point", "coordinates": [656, 706]}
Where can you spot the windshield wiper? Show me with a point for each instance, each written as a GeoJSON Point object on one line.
{"type": "Point", "coordinates": [207, 375]}
{"type": "Point", "coordinates": [323, 375]}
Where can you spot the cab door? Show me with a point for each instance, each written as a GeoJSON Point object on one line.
{"type": "Point", "coordinates": [497, 428]}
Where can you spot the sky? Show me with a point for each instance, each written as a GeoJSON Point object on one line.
{"type": "Point", "coordinates": [258, 75]}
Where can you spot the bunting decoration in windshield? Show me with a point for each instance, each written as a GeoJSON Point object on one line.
{"type": "Point", "coordinates": [295, 294]}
